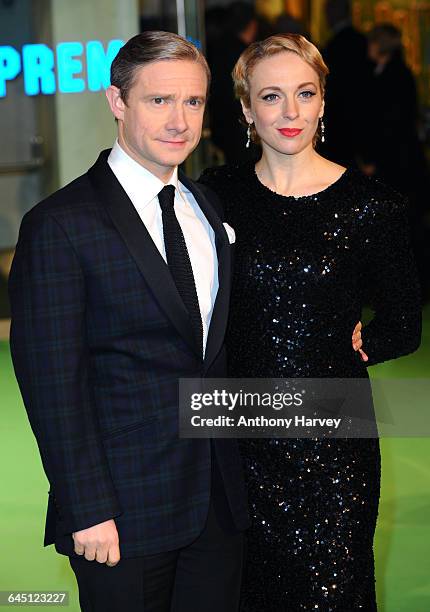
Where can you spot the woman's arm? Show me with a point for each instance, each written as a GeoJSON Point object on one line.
{"type": "Point", "coordinates": [391, 282]}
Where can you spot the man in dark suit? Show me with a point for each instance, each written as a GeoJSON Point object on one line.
{"type": "Point", "coordinates": [227, 132]}
{"type": "Point", "coordinates": [119, 287]}
{"type": "Point", "coordinates": [394, 152]}
{"type": "Point", "coordinates": [346, 96]}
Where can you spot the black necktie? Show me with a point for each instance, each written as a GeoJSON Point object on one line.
{"type": "Point", "coordinates": [178, 260]}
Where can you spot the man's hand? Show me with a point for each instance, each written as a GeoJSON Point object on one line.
{"type": "Point", "coordinates": [357, 342]}
{"type": "Point", "coordinates": [99, 542]}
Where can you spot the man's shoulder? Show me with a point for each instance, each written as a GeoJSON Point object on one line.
{"type": "Point", "coordinates": [70, 198]}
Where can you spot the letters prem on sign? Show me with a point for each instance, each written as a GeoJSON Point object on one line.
{"type": "Point", "coordinates": [45, 71]}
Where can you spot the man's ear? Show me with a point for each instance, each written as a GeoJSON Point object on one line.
{"type": "Point", "coordinates": [116, 103]}
{"type": "Point", "coordinates": [247, 112]}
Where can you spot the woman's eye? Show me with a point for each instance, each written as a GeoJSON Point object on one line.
{"type": "Point", "coordinates": [307, 94]}
{"type": "Point", "coordinates": [270, 97]}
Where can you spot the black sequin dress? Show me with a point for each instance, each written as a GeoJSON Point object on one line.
{"type": "Point", "coordinates": [304, 267]}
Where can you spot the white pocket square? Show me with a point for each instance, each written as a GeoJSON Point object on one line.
{"type": "Point", "coordinates": [230, 233]}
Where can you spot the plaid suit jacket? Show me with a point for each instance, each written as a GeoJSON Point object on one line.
{"type": "Point", "coordinates": [99, 338]}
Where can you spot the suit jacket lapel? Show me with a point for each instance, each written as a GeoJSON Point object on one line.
{"type": "Point", "coordinates": [218, 324]}
{"type": "Point", "coordinates": [141, 246]}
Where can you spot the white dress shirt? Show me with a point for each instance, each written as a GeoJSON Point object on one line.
{"type": "Point", "coordinates": [143, 187]}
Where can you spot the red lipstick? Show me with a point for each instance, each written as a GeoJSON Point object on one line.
{"type": "Point", "coordinates": [290, 132]}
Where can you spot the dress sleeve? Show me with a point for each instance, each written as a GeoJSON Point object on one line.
{"type": "Point", "coordinates": [391, 282]}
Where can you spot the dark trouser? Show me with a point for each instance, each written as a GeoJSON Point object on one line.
{"type": "Point", "coordinates": [203, 576]}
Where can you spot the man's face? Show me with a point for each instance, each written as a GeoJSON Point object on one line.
{"type": "Point", "coordinates": [161, 122]}
{"type": "Point", "coordinates": [373, 52]}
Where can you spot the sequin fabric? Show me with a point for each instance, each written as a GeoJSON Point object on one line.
{"type": "Point", "coordinates": [304, 268]}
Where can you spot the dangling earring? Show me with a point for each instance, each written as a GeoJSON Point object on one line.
{"type": "Point", "coordinates": [248, 133]}
{"type": "Point", "coordinates": [322, 130]}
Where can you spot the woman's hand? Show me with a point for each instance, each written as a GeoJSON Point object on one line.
{"type": "Point", "coordinates": [357, 342]}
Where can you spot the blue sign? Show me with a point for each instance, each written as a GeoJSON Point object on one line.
{"type": "Point", "coordinates": [46, 71]}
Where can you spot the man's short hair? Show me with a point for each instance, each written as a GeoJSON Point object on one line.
{"type": "Point", "coordinates": [149, 47]}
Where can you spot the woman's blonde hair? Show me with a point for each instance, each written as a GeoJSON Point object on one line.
{"type": "Point", "coordinates": [279, 43]}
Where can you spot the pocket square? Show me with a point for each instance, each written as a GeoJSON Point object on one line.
{"type": "Point", "coordinates": [230, 233]}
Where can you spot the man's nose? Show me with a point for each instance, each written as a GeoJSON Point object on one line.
{"type": "Point", "coordinates": [177, 119]}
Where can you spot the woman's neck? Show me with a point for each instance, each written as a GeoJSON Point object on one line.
{"type": "Point", "coordinates": [290, 174]}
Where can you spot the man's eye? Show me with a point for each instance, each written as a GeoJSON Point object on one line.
{"type": "Point", "coordinates": [270, 97]}
{"type": "Point", "coordinates": [195, 102]}
{"type": "Point", "coordinates": [158, 100]}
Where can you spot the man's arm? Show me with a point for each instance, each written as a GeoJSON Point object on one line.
{"type": "Point", "coordinates": [51, 360]}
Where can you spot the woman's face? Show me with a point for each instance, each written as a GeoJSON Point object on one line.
{"type": "Point", "coordinates": [286, 103]}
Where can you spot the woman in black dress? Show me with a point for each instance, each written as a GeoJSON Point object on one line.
{"type": "Point", "coordinates": [314, 243]}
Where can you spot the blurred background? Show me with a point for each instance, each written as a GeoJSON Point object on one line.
{"type": "Point", "coordinates": [54, 64]}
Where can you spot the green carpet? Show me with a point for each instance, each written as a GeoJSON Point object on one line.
{"type": "Point", "coordinates": [403, 534]}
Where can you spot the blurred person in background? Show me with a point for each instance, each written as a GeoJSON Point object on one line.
{"type": "Point", "coordinates": [227, 131]}
{"type": "Point", "coordinates": [284, 22]}
{"type": "Point", "coordinates": [216, 19]}
{"type": "Point", "coordinates": [346, 93]}
{"type": "Point", "coordinates": [393, 151]}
